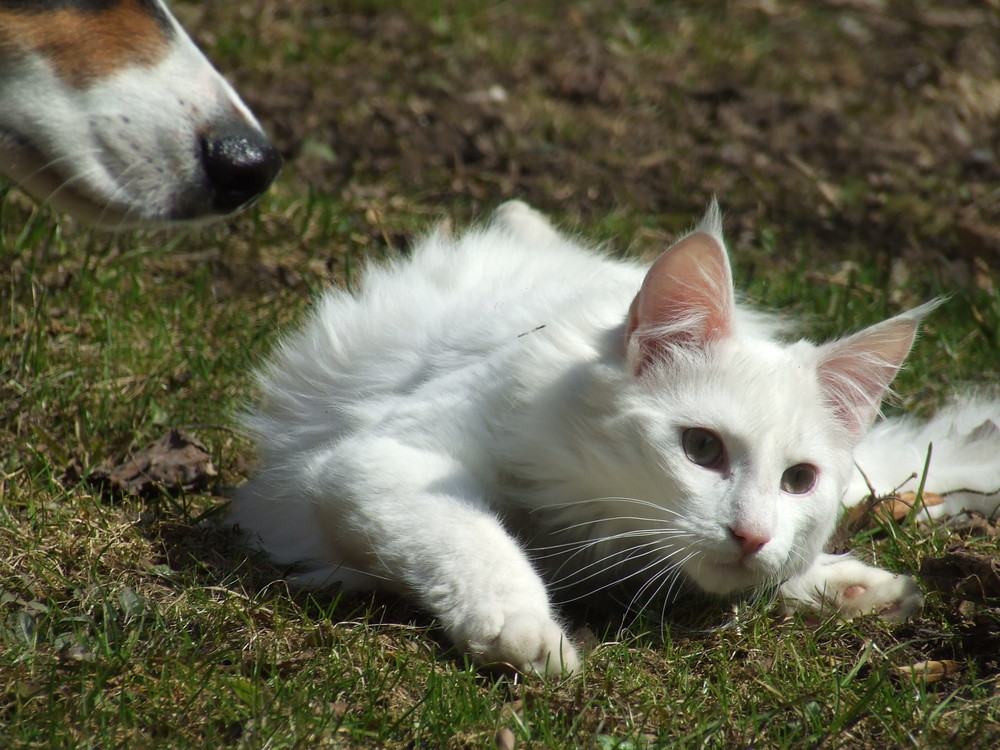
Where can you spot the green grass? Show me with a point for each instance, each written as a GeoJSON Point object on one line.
{"type": "Point", "coordinates": [128, 622]}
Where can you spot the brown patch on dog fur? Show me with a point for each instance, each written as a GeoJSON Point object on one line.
{"type": "Point", "coordinates": [83, 46]}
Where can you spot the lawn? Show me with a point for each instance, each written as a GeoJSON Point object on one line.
{"type": "Point", "coordinates": [853, 147]}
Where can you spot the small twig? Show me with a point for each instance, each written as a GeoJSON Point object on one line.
{"type": "Point", "coordinates": [536, 328]}
{"type": "Point", "coordinates": [967, 491]}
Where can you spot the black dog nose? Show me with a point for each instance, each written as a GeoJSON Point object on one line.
{"type": "Point", "coordinates": [240, 163]}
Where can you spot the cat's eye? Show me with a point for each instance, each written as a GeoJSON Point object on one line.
{"type": "Point", "coordinates": [799, 479]}
{"type": "Point", "coordinates": [703, 447]}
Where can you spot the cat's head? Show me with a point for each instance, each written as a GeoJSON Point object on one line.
{"type": "Point", "coordinates": [749, 440]}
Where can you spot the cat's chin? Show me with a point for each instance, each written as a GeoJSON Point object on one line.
{"type": "Point", "coordinates": [723, 578]}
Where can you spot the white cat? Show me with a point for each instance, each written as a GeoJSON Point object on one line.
{"type": "Point", "coordinates": [508, 419]}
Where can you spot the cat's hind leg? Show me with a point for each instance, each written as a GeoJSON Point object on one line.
{"type": "Point", "coordinates": [851, 588]}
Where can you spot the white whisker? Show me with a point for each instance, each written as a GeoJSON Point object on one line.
{"type": "Point", "coordinates": [69, 158]}
{"type": "Point", "coordinates": [608, 519]}
{"type": "Point", "coordinates": [621, 579]}
{"type": "Point", "coordinates": [677, 579]}
{"type": "Point", "coordinates": [653, 583]}
{"type": "Point", "coordinates": [574, 580]}
{"type": "Point", "coordinates": [671, 574]}
{"type": "Point", "coordinates": [582, 544]}
{"type": "Point", "coordinates": [611, 499]}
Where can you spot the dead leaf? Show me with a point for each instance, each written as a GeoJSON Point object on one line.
{"type": "Point", "coordinates": [176, 462]}
{"type": "Point", "coordinates": [898, 507]}
{"type": "Point", "coordinates": [930, 671]}
{"type": "Point", "coordinates": [869, 514]}
{"type": "Point", "coordinates": [974, 525]}
{"type": "Point", "coordinates": [970, 575]}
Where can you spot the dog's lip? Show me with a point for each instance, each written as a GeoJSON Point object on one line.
{"type": "Point", "coordinates": [29, 164]}
{"type": "Point", "coordinates": [36, 172]}
{"type": "Point", "coordinates": [32, 169]}
{"type": "Point", "coordinates": [22, 157]}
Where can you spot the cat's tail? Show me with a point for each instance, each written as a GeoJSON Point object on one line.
{"type": "Point", "coordinates": [959, 446]}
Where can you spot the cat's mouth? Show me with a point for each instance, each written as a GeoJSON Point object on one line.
{"type": "Point", "coordinates": [720, 576]}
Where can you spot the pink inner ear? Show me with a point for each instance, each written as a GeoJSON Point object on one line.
{"type": "Point", "coordinates": [856, 372]}
{"type": "Point", "coordinates": [686, 299]}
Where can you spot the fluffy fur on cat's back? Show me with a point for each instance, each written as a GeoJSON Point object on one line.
{"type": "Point", "coordinates": [507, 419]}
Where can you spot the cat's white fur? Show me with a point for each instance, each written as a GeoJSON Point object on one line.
{"type": "Point", "coordinates": [498, 423]}
{"type": "Point", "coordinates": [963, 443]}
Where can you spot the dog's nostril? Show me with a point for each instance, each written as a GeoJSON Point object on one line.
{"type": "Point", "coordinates": [240, 164]}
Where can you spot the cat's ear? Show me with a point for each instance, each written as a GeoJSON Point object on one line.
{"type": "Point", "coordinates": [855, 372]}
{"type": "Point", "coordinates": [686, 299]}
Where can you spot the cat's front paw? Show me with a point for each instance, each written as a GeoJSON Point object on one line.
{"type": "Point", "coordinates": [851, 588]}
{"type": "Point", "coordinates": [893, 597]}
{"type": "Point", "coordinates": [529, 642]}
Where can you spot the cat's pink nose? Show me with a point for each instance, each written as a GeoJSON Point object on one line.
{"type": "Point", "coordinates": [750, 542]}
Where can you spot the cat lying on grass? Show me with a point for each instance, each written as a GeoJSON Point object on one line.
{"type": "Point", "coordinates": [508, 419]}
